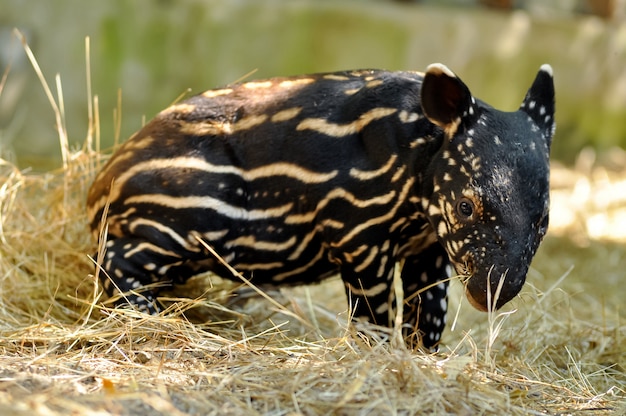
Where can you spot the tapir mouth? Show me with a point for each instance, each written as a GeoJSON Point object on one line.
{"type": "Point", "coordinates": [492, 291]}
{"type": "Point", "coordinates": [486, 289]}
{"type": "Point", "coordinates": [481, 304]}
{"type": "Point", "coordinates": [476, 304]}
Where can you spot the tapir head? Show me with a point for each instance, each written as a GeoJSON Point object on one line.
{"type": "Point", "coordinates": [490, 182]}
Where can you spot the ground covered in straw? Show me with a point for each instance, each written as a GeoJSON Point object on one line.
{"type": "Point", "coordinates": [559, 348]}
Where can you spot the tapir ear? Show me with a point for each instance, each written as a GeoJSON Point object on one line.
{"type": "Point", "coordinates": [445, 98]}
{"type": "Point", "coordinates": [539, 102]}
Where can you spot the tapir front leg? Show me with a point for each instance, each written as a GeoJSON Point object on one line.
{"type": "Point", "coordinates": [425, 279]}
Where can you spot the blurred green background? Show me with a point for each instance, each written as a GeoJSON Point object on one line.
{"type": "Point", "coordinates": [156, 50]}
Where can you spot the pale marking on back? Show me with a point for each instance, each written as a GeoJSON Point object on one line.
{"type": "Point", "coordinates": [285, 115]}
{"type": "Point", "coordinates": [254, 85]}
{"type": "Point", "coordinates": [322, 125]}
{"type": "Point", "coordinates": [251, 242]}
{"type": "Point", "coordinates": [207, 202]}
{"type": "Point", "coordinates": [365, 175]}
{"type": "Point", "coordinates": [290, 170]}
{"type": "Point", "coordinates": [217, 93]}
{"type": "Point", "coordinates": [374, 83]}
{"type": "Point", "coordinates": [336, 193]}
{"type": "Point", "coordinates": [210, 127]}
{"type": "Point", "coordinates": [291, 83]}
{"type": "Point", "coordinates": [182, 108]}
{"type": "Point", "coordinates": [335, 77]}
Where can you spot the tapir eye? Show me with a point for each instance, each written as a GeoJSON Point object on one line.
{"type": "Point", "coordinates": [465, 208]}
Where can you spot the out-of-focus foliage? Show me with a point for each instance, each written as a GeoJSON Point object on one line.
{"type": "Point", "coordinates": [154, 51]}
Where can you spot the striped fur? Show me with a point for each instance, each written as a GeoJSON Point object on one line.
{"type": "Point", "coordinates": [292, 180]}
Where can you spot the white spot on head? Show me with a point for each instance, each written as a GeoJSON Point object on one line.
{"type": "Point", "coordinates": [542, 110]}
{"type": "Point", "coordinates": [531, 105]}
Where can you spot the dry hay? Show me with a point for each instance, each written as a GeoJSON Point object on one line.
{"type": "Point", "coordinates": [215, 351]}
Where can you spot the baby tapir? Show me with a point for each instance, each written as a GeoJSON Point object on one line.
{"type": "Point", "coordinates": [292, 180]}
